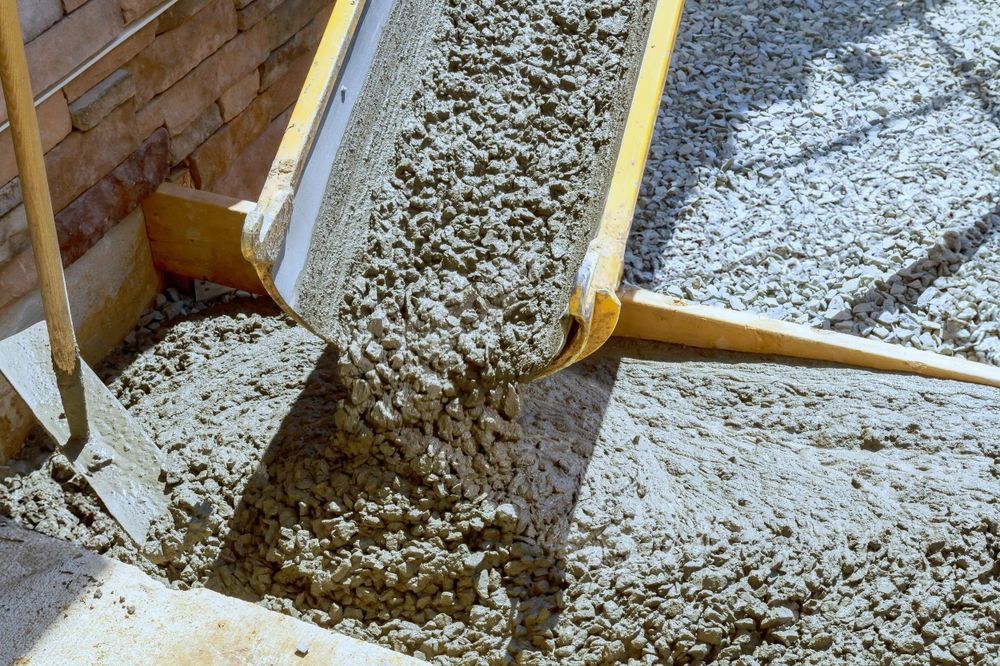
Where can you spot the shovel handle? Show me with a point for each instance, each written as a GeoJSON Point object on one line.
{"type": "Point", "coordinates": [35, 190]}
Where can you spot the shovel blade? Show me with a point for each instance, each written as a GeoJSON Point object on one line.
{"type": "Point", "coordinates": [119, 460]}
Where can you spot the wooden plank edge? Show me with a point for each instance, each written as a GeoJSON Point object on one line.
{"type": "Point", "coordinates": [196, 234]}
{"type": "Point", "coordinates": [650, 316]}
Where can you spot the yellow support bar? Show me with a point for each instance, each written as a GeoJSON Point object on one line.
{"type": "Point", "coordinates": [650, 316]}
{"type": "Point", "coordinates": [594, 306]}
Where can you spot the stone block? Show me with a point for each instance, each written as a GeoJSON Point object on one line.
{"type": "Point", "coordinates": [88, 111]}
{"type": "Point", "coordinates": [322, 18]}
{"type": "Point", "coordinates": [53, 125]}
{"type": "Point", "coordinates": [133, 9]}
{"type": "Point", "coordinates": [10, 196]}
{"type": "Point", "coordinates": [202, 127]}
{"type": "Point", "coordinates": [278, 63]}
{"type": "Point", "coordinates": [214, 156]}
{"type": "Point", "coordinates": [234, 100]}
{"type": "Point", "coordinates": [285, 91]}
{"type": "Point", "coordinates": [81, 224]}
{"type": "Point", "coordinates": [120, 55]}
{"type": "Point", "coordinates": [223, 149]}
{"type": "Point", "coordinates": [70, 5]}
{"type": "Point", "coordinates": [37, 15]}
{"type": "Point", "coordinates": [83, 158]}
{"type": "Point", "coordinates": [85, 221]}
{"type": "Point", "coordinates": [17, 276]}
{"type": "Point", "coordinates": [245, 176]}
{"type": "Point", "coordinates": [179, 13]}
{"type": "Point", "coordinates": [12, 222]}
{"type": "Point", "coordinates": [177, 106]}
{"type": "Point", "coordinates": [14, 237]}
{"type": "Point", "coordinates": [251, 14]}
{"type": "Point", "coordinates": [290, 17]}
{"type": "Point", "coordinates": [173, 54]}
{"type": "Point", "coordinates": [181, 176]}
{"type": "Point", "coordinates": [79, 35]}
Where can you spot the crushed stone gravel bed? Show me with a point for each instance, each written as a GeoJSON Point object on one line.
{"type": "Point", "coordinates": [833, 163]}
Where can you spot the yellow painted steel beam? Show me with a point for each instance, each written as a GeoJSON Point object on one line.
{"type": "Point", "coordinates": [650, 316]}
{"type": "Point", "coordinates": [594, 306]}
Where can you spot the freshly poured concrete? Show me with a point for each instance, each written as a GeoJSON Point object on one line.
{"type": "Point", "coordinates": [61, 604]}
{"type": "Point", "coordinates": [471, 180]}
{"type": "Point", "coordinates": [652, 504]}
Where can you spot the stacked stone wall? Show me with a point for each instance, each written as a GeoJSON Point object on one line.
{"type": "Point", "coordinates": [199, 95]}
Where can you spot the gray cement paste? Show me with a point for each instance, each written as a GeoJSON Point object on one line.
{"type": "Point", "coordinates": [650, 505]}
{"type": "Point", "coordinates": [472, 179]}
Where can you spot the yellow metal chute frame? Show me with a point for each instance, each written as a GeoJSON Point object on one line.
{"type": "Point", "coordinates": [594, 305]}
{"type": "Point", "coordinates": [598, 308]}
{"type": "Point", "coordinates": [593, 308]}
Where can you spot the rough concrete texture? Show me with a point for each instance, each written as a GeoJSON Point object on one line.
{"type": "Point", "coordinates": [473, 176]}
{"type": "Point", "coordinates": [63, 605]}
{"type": "Point", "coordinates": [653, 505]}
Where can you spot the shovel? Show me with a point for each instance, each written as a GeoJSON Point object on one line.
{"type": "Point", "coordinates": [91, 428]}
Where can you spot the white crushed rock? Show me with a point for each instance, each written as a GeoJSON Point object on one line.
{"type": "Point", "coordinates": [835, 164]}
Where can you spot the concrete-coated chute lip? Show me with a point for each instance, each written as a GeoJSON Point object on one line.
{"type": "Point", "coordinates": [593, 306]}
{"type": "Point", "coordinates": [276, 233]}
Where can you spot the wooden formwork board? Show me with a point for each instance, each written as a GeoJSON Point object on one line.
{"type": "Point", "coordinates": [649, 316]}
{"type": "Point", "coordinates": [197, 234]}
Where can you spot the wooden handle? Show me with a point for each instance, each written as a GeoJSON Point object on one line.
{"type": "Point", "coordinates": [35, 190]}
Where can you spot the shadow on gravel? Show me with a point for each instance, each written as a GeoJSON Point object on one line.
{"type": "Point", "coordinates": [353, 531]}
{"type": "Point", "coordinates": [856, 137]}
{"type": "Point", "coordinates": [748, 55]}
{"type": "Point", "coordinates": [943, 259]}
{"type": "Point", "coordinates": [947, 256]}
{"type": "Point", "coordinates": [560, 432]}
{"type": "Point", "coordinates": [975, 79]}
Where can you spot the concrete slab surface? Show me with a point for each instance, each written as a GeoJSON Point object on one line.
{"type": "Point", "coordinates": [61, 604]}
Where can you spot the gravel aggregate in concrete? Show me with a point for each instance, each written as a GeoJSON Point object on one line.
{"type": "Point", "coordinates": [834, 163]}
{"type": "Point", "coordinates": [473, 176]}
{"type": "Point", "coordinates": [650, 505]}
